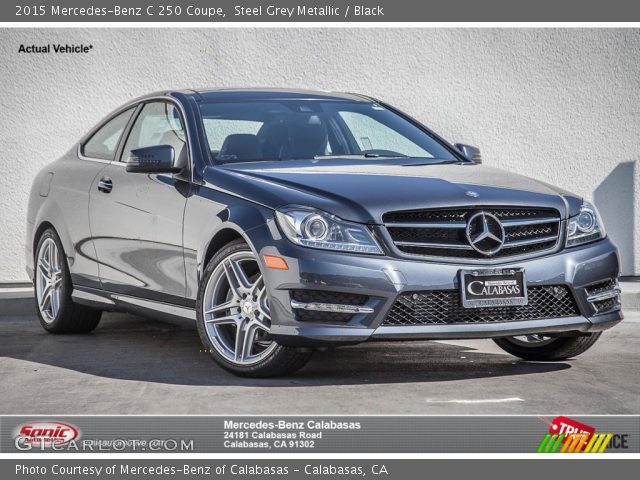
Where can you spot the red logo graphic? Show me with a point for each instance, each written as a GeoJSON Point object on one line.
{"type": "Point", "coordinates": [570, 427]}
{"type": "Point", "coordinates": [47, 433]}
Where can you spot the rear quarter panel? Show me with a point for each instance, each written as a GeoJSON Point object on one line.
{"type": "Point", "coordinates": [65, 206]}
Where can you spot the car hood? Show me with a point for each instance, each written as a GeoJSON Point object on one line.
{"type": "Point", "coordinates": [362, 191]}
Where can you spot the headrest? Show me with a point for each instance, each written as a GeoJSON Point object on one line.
{"type": "Point", "coordinates": [240, 146]}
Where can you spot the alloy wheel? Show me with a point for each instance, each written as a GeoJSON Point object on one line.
{"type": "Point", "coordinates": [532, 340]}
{"type": "Point", "coordinates": [236, 310]}
{"type": "Point", "coordinates": [48, 280]}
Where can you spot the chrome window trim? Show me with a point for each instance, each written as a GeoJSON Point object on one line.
{"type": "Point", "coordinates": [130, 106]}
{"type": "Point", "coordinates": [81, 156]}
{"type": "Point", "coordinates": [135, 104]}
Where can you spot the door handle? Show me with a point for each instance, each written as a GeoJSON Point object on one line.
{"type": "Point", "coordinates": [105, 185]}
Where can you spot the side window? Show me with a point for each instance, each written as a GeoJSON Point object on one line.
{"type": "Point", "coordinates": [104, 142]}
{"type": "Point", "coordinates": [159, 123]}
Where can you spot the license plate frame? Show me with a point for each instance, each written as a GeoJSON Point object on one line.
{"type": "Point", "coordinates": [500, 277]}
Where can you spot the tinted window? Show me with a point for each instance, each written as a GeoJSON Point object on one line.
{"type": "Point", "coordinates": [104, 143]}
{"type": "Point", "coordinates": [302, 129]}
{"type": "Point", "coordinates": [159, 123]}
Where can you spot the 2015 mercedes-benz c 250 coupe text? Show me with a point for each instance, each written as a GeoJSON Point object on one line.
{"type": "Point", "coordinates": [284, 220]}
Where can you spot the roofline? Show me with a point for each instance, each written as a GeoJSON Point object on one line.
{"type": "Point", "coordinates": [299, 93]}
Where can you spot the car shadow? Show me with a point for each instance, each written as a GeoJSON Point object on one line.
{"type": "Point", "coordinates": [128, 347]}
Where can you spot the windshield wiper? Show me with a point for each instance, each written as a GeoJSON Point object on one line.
{"type": "Point", "coordinates": [357, 155]}
{"type": "Point", "coordinates": [435, 161]}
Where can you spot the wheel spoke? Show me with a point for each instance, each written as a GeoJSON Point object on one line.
{"type": "Point", "coordinates": [238, 281]}
{"type": "Point", "coordinates": [55, 260]}
{"type": "Point", "coordinates": [257, 287]}
{"type": "Point", "coordinates": [55, 302]}
{"type": "Point", "coordinates": [226, 320]}
{"type": "Point", "coordinates": [48, 256]}
{"type": "Point", "coordinates": [263, 323]}
{"type": "Point", "coordinates": [44, 270]}
{"type": "Point", "coordinates": [245, 337]}
{"type": "Point", "coordinates": [45, 295]}
{"type": "Point", "coordinates": [263, 309]}
{"type": "Point", "coordinates": [223, 307]}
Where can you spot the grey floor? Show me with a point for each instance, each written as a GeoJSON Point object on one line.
{"type": "Point", "coordinates": [132, 365]}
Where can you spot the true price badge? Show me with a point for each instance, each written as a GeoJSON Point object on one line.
{"type": "Point", "coordinates": [570, 427]}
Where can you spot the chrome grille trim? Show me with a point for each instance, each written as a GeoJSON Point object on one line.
{"type": "Point", "coordinates": [532, 221]}
{"type": "Point", "coordinates": [330, 307]}
{"type": "Point", "coordinates": [442, 232]}
{"type": "Point", "coordinates": [606, 295]}
{"type": "Point", "coordinates": [506, 223]}
{"type": "Point", "coordinates": [427, 225]}
{"type": "Point", "coordinates": [519, 243]}
{"type": "Point", "coordinates": [454, 246]}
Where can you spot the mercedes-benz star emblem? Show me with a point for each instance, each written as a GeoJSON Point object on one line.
{"type": "Point", "coordinates": [485, 233]}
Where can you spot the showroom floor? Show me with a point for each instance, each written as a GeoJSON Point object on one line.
{"type": "Point", "coordinates": [131, 365]}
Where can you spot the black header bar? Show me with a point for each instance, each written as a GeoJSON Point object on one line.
{"type": "Point", "coordinates": [295, 11]}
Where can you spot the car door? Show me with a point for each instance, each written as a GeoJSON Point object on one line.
{"type": "Point", "coordinates": [137, 218]}
{"type": "Point", "coordinates": [93, 155]}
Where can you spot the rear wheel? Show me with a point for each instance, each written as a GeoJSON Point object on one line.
{"type": "Point", "coordinates": [234, 319]}
{"type": "Point", "coordinates": [544, 348]}
{"type": "Point", "coordinates": [56, 311]}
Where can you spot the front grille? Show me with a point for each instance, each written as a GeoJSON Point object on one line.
{"type": "Point", "coordinates": [442, 307]}
{"type": "Point", "coordinates": [442, 233]}
{"type": "Point", "coordinates": [320, 296]}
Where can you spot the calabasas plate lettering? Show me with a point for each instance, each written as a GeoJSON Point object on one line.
{"type": "Point", "coordinates": [493, 287]}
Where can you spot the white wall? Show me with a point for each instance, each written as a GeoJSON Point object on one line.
{"type": "Point", "coordinates": [562, 106]}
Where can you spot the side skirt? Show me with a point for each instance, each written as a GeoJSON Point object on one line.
{"type": "Point", "coordinates": [101, 299]}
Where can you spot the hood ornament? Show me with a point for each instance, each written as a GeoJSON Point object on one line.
{"type": "Point", "coordinates": [472, 194]}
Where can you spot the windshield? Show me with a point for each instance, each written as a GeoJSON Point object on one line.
{"type": "Point", "coordinates": [307, 129]}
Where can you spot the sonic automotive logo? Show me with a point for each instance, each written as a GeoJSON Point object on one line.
{"type": "Point", "coordinates": [45, 434]}
{"type": "Point", "coordinates": [570, 436]}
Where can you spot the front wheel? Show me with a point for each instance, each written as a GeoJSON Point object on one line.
{"type": "Point", "coordinates": [543, 348]}
{"type": "Point", "coordinates": [234, 318]}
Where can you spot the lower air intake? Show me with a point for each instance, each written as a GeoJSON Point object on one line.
{"type": "Point", "coordinates": [442, 307]}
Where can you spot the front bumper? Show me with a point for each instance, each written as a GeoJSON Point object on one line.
{"type": "Point", "coordinates": [383, 279]}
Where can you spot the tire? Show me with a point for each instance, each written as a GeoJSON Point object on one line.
{"type": "Point", "coordinates": [232, 285]}
{"type": "Point", "coordinates": [549, 349]}
{"type": "Point", "coordinates": [57, 312]}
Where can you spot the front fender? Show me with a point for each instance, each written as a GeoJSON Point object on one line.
{"type": "Point", "coordinates": [213, 219]}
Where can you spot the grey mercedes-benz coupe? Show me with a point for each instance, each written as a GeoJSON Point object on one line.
{"type": "Point", "coordinates": [282, 221]}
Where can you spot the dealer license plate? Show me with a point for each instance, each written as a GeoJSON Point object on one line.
{"type": "Point", "coordinates": [493, 287]}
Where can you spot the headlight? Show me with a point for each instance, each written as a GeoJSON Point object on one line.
{"type": "Point", "coordinates": [585, 227]}
{"type": "Point", "coordinates": [316, 229]}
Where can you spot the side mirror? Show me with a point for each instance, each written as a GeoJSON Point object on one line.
{"type": "Point", "coordinates": [156, 159]}
{"type": "Point", "coordinates": [469, 151]}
